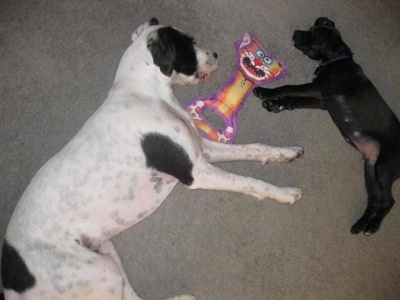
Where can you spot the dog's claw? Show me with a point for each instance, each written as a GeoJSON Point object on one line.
{"type": "Point", "coordinates": [292, 154]}
{"type": "Point", "coordinates": [299, 153]}
{"type": "Point", "coordinates": [272, 106]}
{"type": "Point", "coordinates": [372, 227]}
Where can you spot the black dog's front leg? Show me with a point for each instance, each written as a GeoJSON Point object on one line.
{"type": "Point", "coordinates": [277, 105]}
{"type": "Point", "coordinates": [290, 97]}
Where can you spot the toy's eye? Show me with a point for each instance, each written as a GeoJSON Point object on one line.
{"type": "Point", "coordinates": [267, 60]}
{"type": "Point", "coordinates": [260, 53]}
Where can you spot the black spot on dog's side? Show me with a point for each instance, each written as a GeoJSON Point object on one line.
{"type": "Point", "coordinates": [16, 275]}
{"type": "Point", "coordinates": [166, 156]}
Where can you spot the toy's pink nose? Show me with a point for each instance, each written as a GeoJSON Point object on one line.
{"type": "Point", "coordinates": [258, 62]}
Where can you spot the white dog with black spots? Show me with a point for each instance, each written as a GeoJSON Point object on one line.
{"type": "Point", "coordinates": [117, 170]}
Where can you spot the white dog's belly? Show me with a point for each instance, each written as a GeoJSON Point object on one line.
{"type": "Point", "coordinates": [97, 186]}
{"type": "Point", "coordinates": [106, 205]}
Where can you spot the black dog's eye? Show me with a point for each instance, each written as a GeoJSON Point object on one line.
{"type": "Point", "coordinates": [318, 37]}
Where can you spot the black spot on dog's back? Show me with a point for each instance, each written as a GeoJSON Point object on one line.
{"type": "Point", "coordinates": [14, 272]}
{"type": "Point", "coordinates": [166, 156]}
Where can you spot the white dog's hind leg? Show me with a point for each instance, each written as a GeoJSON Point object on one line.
{"type": "Point", "coordinates": [219, 152]}
{"type": "Point", "coordinates": [206, 176]}
{"type": "Point", "coordinates": [108, 249]}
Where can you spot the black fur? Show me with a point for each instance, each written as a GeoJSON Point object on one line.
{"type": "Point", "coordinates": [166, 156]}
{"type": "Point", "coordinates": [153, 21]}
{"type": "Point", "coordinates": [173, 51]}
{"type": "Point", "coordinates": [356, 107]}
{"type": "Point", "coordinates": [14, 272]}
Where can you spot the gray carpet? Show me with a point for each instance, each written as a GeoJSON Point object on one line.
{"type": "Point", "coordinates": [58, 59]}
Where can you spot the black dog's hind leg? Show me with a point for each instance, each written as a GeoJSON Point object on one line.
{"type": "Point", "coordinates": [386, 170]}
{"type": "Point", "coordinates": [372, 187]}
{"type": "Point", "coordinates": [379, 178]}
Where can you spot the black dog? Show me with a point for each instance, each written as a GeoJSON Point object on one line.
{"type": "Point", "coordinates": [356, 107]}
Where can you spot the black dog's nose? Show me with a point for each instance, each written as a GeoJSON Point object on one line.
{"type": "Point", "coordinates": [300, 38]}
{"type": "Point", "coordinates": [297, 34]}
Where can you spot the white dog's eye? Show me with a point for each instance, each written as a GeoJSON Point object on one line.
{"type": "Point", "coordinates": [260, 53]}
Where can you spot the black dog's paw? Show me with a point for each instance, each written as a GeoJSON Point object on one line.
{"type": "Point", "coordinates": [270, 101]}
{"type": "Point", "coordinates": [275, 106]}
{"type": "Point", "coordinates": [357, 227]}
{"type": "Point", "coordinates": [372, 227]}
{"type": "Point", "coordinates": [368, 227]}
{"type": "Point", "coordinates": [262, 93]}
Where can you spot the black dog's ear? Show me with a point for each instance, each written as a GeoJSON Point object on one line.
{"type": "Point", "coordinates": [323, 21]}
{"type": "Point", "coordinates": [163, 51]}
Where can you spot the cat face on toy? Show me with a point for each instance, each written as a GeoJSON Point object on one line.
{"type": "Point", "coordinates": [255, 62]}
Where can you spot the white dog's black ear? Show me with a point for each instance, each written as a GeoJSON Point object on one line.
{"type": "Point", "coordinates": [163, 51]}
{"type": "Point", "coordinates": [323, 21]}
{"type": "Point", "coordinates": [154, 21]}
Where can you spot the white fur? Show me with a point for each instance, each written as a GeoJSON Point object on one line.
{"type": "Point", "coordinates": [98, 185]}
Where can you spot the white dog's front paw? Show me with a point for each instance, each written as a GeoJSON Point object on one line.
{"type": "Point", "coordinates": [290, 195]}
{"type": "Point", "coordinates": [291, 154]}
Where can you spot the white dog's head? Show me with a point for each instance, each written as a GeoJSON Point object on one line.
{"type": "Point", "coordinates": [171, 51]}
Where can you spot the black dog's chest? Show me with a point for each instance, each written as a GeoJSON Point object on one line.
{"type": "Point", "coordinates": [341, 88]}
{"type": "Point", "coordinates": [351, 126]}
{"type": "Point", "coordinates": [343, 115]}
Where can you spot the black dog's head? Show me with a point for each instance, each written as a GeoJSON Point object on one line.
{"type": "Point", "coordinates": [321, 42]}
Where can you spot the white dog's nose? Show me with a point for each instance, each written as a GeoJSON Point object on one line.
{"type": "Point", "coordinates": [212, 53]}
{"type": "Point", "coordinates": [211, 57]}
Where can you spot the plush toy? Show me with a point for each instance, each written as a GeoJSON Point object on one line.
{"type": "Point", "coordinates": [254, 66]}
